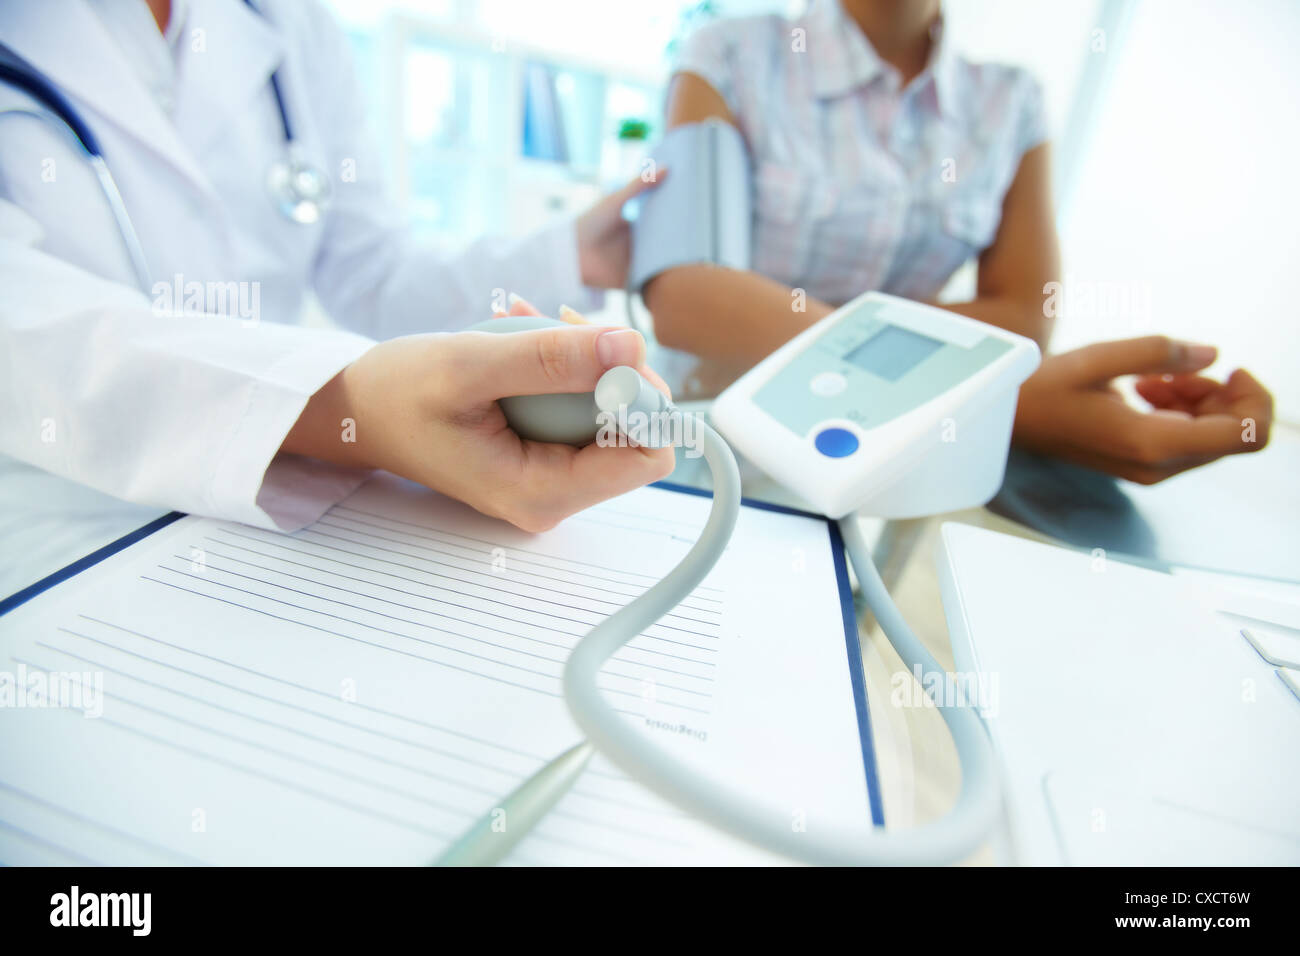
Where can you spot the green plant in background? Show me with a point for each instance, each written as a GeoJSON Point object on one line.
{"type": "Point", "coordinates": [633, 129]}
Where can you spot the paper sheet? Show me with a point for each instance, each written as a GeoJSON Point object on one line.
{"type": "Point", "coordinates": [362, 690]}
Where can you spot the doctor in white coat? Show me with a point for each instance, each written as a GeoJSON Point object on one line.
{"type": "Point", "coordinates": [202, 393]}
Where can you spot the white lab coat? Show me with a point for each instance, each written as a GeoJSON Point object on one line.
{"type": "Point", "coordinates": [100, 387]}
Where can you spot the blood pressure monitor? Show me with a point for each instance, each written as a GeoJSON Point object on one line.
{"type": "Point", "coordinates": [886, 406]}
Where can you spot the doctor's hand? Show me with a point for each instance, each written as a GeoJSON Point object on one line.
{"type": "Point", "coordinates": [521, 306]}
{"type": "Point", "coordinates": [605, 237]}
{"type": "Point", "coordinates": [425, 407]}
{"type": "Point", "coordinates": [1070, 409]}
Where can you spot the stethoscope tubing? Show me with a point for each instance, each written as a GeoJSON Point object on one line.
{"type": "Point", "coordinates": [284, 179]}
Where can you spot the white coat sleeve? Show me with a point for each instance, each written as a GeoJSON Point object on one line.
{"type": "Point", "coordinates": [183, 412]}
{"type": "Point", "coordinates": [371, 274]}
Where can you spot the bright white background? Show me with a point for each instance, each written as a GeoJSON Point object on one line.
{"type": "Point", "coordinates": [1173, 121]}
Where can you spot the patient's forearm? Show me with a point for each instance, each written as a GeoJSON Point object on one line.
{"type": "Point", "coordinates": [1023, 318]}
{"type": "Point", "coordinates": [736, 317]}
{"type": "Point", "coordinates": [740, 318]}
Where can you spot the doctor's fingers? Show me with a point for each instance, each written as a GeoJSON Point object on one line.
{"type": "Point", "coordinates": [559, 481]}
{"type": "Point", "coordinates": [521, 306]}
{"type": "Point", "coordinates": [571, 316]}
{"type": "Point", "coordinates": [570, 358]}
{"type": "Point", "coordinates": [518, 305]}
{"type": "Point", "coordinates": [574, 317]}
{"type": "Point", "coordinates": [640, 184]}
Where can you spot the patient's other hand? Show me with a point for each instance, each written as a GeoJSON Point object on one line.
{"type": "Point", "coordinates": [1070, 408]}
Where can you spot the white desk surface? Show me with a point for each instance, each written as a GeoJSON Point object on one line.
{"type": "Point", "coordinates": [917, 766]}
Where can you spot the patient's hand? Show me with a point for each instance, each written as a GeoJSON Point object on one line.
{"type": "Point", "coordinates": [1070, 408]}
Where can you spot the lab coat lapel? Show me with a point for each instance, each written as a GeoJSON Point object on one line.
{"type": "Point", "coordinates": [65, 40]}
{"type": "Point", "coordinates": [228, 57]}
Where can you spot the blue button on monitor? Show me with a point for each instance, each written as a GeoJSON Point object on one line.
{"type": "Point", "coordinates": [836, 442]}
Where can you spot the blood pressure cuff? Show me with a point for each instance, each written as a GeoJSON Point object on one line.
{"type": "Point", "coordinates": [701, 211]}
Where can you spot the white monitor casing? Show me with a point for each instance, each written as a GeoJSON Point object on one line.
{"type": "Point", "coordinates": [947, 453]}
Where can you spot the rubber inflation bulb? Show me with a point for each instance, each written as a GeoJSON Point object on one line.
{"type": "Point", "coordinates": [567, 418]}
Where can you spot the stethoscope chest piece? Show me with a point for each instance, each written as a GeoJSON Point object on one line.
{"type": "Point", "coordinates": [300, 190]}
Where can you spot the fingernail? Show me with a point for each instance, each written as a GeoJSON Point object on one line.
{"type": "Point", "coordinates": [1198, 356]}
{"type": "Point", "coordinates": [618, 347]}
{"type": "Point", "coordinates": [566, 312]}
{"type": "Point", "coordinates": [514, 299]}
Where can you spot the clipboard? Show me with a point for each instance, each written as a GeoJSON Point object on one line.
{"type": "Point", "coordinates": [852, 640]}
{"type": "Point", "coordinates": [139, 540]}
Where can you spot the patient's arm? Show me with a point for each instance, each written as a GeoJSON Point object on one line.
{"type": "Point", "coordinates": [1023, 258]}
{"type": "Point", "coordinates": [725, 314]}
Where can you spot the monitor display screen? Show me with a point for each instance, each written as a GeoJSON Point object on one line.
{"type": "Point", "coordinates": [893, 352]}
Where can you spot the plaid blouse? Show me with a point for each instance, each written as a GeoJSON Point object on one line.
{"type": "Point", "coordinates": [861, 184]}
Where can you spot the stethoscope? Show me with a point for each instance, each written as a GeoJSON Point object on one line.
{"type": "Point", "coordinates": [299, 189]}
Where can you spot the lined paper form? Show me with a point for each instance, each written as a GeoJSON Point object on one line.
{"type": "Point", "coordinates": [364, 689]}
